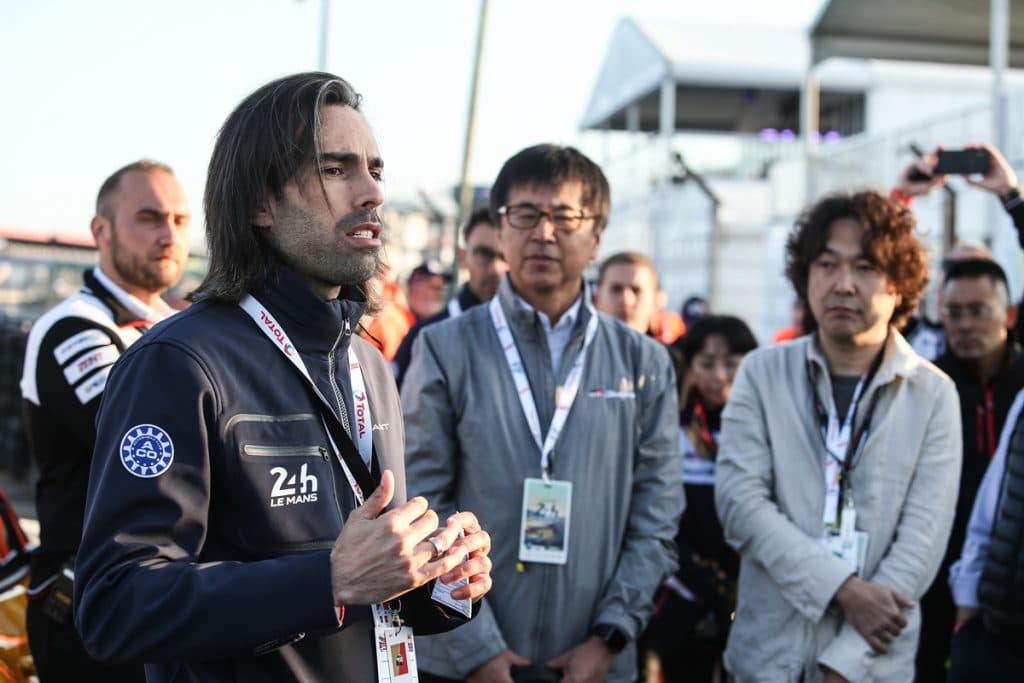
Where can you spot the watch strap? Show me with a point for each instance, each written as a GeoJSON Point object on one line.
{"type": "Point", "coordinates": [1011, 199]}
{"type": "Point", "coordinates": [612, 636]}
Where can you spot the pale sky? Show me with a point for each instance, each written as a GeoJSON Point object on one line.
{"type": "Point", "coordinates": [89, 85]}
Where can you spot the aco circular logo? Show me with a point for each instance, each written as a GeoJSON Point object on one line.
{"type": "Point", "coordinates": [147, 451]}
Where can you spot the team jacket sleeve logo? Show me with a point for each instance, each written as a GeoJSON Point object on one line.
{"type": "Point", "coordinates": [147, 451]}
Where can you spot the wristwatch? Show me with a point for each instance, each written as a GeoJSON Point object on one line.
{"type": "Point", "coordinates": [1011, 198]}
{"type": "Point", "coordinates": [612, 636]}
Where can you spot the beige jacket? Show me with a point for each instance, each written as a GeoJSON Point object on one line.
{"type": "Point", "coordinates": [770, 495]}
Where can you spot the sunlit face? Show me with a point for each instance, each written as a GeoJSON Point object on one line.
{"type": "Point", "coordinates": [713, 370]}
{"type": "Point", "coordinates": [142, 235]}
{"type": "Point", "coordinates": [426, 295]}
{"type": "Point", "coordinates": [975, 316]}
{"type": "Point", "coordinates": [544, 259]}
{"type": "Point", "coordinates": [484, 260]}
{"type": "Point", "coordinates": [331, 236]}
{"type": "Point", "coordinates": [851, 299]}
{"type": "Point", "coordinates": [629, 292]}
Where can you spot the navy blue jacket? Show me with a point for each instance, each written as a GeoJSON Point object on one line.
{"type": "Point", "coordinates": [217, 569]}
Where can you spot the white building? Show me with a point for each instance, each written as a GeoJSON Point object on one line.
{"type": "Point", "coordinates": [699, 131]}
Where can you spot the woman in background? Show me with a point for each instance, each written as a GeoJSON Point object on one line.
{"type": "Point", "coordinates": [694, 607]}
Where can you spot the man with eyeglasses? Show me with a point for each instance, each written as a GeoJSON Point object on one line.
{"type": "Point", "coordinates": [483, 260]}
{"type": "Point", "coordinates": [987, 366]}
{"type": "Point", "coordinates": [919, 179]}
{"type": "Point", "coordinates": [556, 425]}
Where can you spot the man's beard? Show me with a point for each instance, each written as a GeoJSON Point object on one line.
{"type": "Point", "coordinates": [304, 249]}
{"type": "Point", "coordinates": [137, 271]}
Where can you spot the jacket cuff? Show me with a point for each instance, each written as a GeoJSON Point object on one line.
{"type": "Point", "coordinates": [849, 655]}
{"type": "Point", "coordinates": [313, 572]}
{"type": "Point", "coordinates": [308, 602]}
{"type": "Point", "coordinates": [829, 576]}
{"type": "Point", "coordinates": [964, 588]}
{"type": "Point", "coordinates": [613, 616]}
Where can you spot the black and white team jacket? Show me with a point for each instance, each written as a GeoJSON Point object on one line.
{"type": "Point", "coordinates": [68, 356]}
{"type": "Point", "coordinates": [215, 498]}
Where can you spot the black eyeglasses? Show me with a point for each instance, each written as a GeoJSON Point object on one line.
{"type": "Point", "coordinates": [526, 217]}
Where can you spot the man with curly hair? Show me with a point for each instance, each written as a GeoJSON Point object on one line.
{"type": "Point", "coordinates": [838, 467]}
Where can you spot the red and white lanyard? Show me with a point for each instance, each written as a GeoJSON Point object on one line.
{"type": "Point", "coordinates": [363, 429]}
{"type": "Point", "coordinates": [522, 382]}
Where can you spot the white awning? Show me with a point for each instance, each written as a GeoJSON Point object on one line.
{"type": "Point", "coordinates": [942, 31]}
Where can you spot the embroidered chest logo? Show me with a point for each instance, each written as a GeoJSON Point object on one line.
{"type": "Point", "coordinates": [293, 488]}
{"type": "Point", "coordinates": [147, 451]}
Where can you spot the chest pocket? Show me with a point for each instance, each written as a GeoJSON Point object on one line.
{"type": "Point", "coordinates": [283, 483]}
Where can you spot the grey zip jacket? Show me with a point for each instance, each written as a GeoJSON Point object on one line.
{"type": "Point", "coordinates": [468, 447]}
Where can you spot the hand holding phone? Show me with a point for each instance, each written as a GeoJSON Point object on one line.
{"type": "Point", "coordinates": [963, 162]}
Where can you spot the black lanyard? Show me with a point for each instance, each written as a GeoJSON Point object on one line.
{"type": "Point", "coordinates": [859, 436]}
{"type": "Point", "coordinates": [365, 477]}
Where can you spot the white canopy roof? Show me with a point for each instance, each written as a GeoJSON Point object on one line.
{"type": "Point", "coordinates": [943, 31]}
{"type": "Point", "coordinates": [728, 78]}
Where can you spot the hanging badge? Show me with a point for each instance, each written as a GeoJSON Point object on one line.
{"type": "Point", "coordinates": [544, 532]}
{"type": "Point", "coordinates": [442, 592]}
{"type": "Point", "coordinates": [845, 542]}
{"type": "Point", "coordinates": [396, 651]}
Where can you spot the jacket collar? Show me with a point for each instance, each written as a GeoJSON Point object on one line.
{"type": "Point", "coordinates": [526, 321]}
{"type": "Point", "coordinates": [314, 325]}
{"type": "Point", "coordinates": [963, 371]}
{"type": "Point", "coordinates": [125, 308]}
{"type": "Point", "coordinates": [467, 299]}
{"type": "Point", "coordinates": [898, 359]}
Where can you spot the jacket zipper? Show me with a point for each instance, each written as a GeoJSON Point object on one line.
{"type": "Point", "coordinates": [255, 450]}
{"type": "Point", "coordinates": [330, 373]}
{"type": "Point", "coordinates": [341, 407]}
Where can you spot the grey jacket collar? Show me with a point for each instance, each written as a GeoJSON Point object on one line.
{"type": "Point", "coordinates": [526, 324]}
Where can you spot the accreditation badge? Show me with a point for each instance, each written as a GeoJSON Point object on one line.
{"type": "Point", "coordinates": [396, 651]}
{"type": "Point", "coordinates": [442, 592]}
{"type": "Point", "coordinates": [846, 543]}
{"type": "Point", "coordinates": [544, 531]}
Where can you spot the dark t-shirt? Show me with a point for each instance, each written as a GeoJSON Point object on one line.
{"type": "Point", "coordinates": [842, 393]}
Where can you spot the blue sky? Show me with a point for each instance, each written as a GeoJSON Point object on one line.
{"type": "Point", "coordinates": [89, 85]}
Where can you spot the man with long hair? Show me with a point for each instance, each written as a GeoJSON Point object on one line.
{"type": "Point", "coordinates": [247, 517]}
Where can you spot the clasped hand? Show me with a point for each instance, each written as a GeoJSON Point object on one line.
{"type": "Point", "coordinates": [379, 555]}
{"type": "Point", "coordinates": [876, 611]}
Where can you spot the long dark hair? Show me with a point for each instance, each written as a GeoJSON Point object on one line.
{"type": "Point", "coordinates": [261, 146]}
